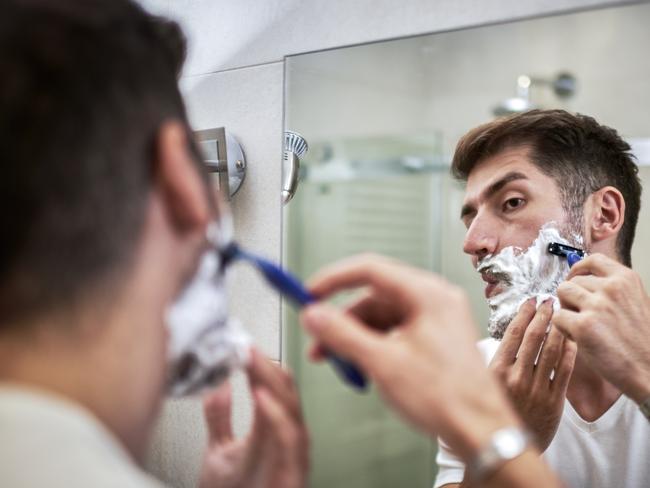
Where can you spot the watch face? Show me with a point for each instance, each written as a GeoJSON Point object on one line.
{"type": "Point", "coordinates": [509, 443]}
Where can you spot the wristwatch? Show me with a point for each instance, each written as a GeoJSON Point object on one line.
{"type": "Point", "coordinates": [504, 445]}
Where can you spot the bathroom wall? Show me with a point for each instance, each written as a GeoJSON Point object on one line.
{"type": "Point", "coordinates": [234, 78]}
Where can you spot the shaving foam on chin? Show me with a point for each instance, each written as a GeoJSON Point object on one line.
{"type": "Point", "coordinates": [205, 343]}
{"type": "Point", "coordinates": [534, 273]}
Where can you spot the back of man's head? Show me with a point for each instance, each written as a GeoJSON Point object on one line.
{"type": "Point", "coordinates": [85, 86]}
{"type": "Point", "coordinates": [581, 155]}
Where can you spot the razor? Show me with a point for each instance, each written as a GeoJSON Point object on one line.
{"type": "Point", "coordinates": [289, 286]}
{"type": "Point", "coordinates": [572, 254]}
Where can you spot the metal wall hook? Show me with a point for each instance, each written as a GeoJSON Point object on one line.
{"type": "Point", "coordinates": [223, 155]}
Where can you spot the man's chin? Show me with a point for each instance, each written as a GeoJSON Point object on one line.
{"type": "Point", "coordinates": [498, 324]}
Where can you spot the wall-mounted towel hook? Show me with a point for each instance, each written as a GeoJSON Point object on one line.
{"type": "Point", "coordinates": [223, 155]}
{"type": "Point", "coordinates": [295, 146]}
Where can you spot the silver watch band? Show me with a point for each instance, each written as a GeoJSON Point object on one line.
{"type": "Point", "coordinates": [645, 408]}
{"type": "Point", "coordinates": [504, 445]}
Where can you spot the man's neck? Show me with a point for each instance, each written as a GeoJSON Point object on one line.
{"type": "Point", "coordinates": [589, 393]}
{"type": "Point", "coordinates": [106, 357]}
{"type": "Point", "coordinates": [69, 366]}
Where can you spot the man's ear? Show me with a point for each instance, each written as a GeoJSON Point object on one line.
{"type": "Point", "coordinates": [606, 215]}
{"type": "Point", "coordinates": [182, 189]}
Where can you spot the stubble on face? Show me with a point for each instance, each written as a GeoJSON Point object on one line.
{"type": "Point", "coordinates": [516, 275]}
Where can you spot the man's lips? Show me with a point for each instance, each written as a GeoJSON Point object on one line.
{"type": "Point", "coordinates": [494, 284]}
{"type": "Point", "coordinates": [492, 289]}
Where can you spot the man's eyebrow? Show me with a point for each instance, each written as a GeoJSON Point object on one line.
{"type": "Point", "coordinates": [466, 210]}
{"type": "Point", "coordinates": [494, 188]}
{"type": "Point", "coordinates": [501, 182]}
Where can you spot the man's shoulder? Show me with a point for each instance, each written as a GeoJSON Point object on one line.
{"type": "Point", "coordinates": [47, 441]}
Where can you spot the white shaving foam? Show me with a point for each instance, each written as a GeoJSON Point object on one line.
{"type": "Point", "coordinates": [535, 273]}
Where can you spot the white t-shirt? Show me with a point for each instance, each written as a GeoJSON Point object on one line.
{"type": "Point", "coordinates": [613, 451]}
{"type": "Point", "coordinates": [47, 440]}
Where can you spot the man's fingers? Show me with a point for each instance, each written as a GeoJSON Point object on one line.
{"type": "Point", "coordinates": [572, 296]}
{"type": "Point", "coordinates": [317, 353]}
{"type": "Point", "coordinates": [534, 336]}
{"type": "Point", "coordinates": [565, 365]}
{"type": "Point", "coordinates": [375, 312]}
{"type": "Point", "coordinates": [588, 282]}
{"type": "Point", "coordinates": [262, 372]}
{"type": "Point", "coordinates": [565, 321]}
{"type": "Point", "coordinates": [342, 334]}
{"type": "Point", "coordinates": [287, 437]}
{"type": "Point", "coordinates": [596, 264]}
{"type": "Point", "coordinates": [550, 355]}
{"type": "Point", "coordinates": [381, 273]}
{"type": "Point", "coordinates": [217, 407]}
{"type": "Point", "coordinates": [514, 334]}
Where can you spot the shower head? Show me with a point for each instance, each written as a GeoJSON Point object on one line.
{"type": "Point", "coordinates": [563, 86]}
{"type": "Point", "coordinates": [295, 143]}
{"type": "Point", "coordinates": [295, 146]}
{"type": "Point", "coordinates": [515, 105]}
{"type": "Point", "coordinates": [520, 103]}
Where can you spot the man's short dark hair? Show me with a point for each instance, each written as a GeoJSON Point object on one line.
{"type": "Point", "coordinates": [581, 155]}
{"type": "Point", "coordinates": [84, 87]}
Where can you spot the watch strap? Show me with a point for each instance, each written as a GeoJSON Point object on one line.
{"type": "Point", "coordinates": [504, 445]}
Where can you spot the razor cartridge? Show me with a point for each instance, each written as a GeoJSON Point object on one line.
{"type": "Point", "coordinates": [572, 254]}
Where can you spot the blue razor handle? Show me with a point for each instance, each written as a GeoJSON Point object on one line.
{"type": "Point", "coordinates": [289, 286]}
{"type": "Point", "coordinates": [572, 258]}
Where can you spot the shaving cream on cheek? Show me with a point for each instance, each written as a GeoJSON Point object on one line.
{"type": "Point", "coordinates": [534, 273]}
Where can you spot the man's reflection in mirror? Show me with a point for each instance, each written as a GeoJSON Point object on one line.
{"type": "Point", "coordinates": [526, 173]}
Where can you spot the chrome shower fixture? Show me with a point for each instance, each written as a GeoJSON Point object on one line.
{"type": "Point", "coordinates": [563, 86]}
{"type": "Point", "coordinates": [223, 155]}
{"type": "Point", "coordinates": [295, 146]}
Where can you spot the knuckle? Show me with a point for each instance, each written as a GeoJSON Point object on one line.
{"type": "Point", "coordinates": [499, 371]}
{"type": "Point", "coordinates": [628, 274]}
{"type": "Point", "coordinates": [599, 258]}
{"type": "Point", "coordinates": [614, 284]}
{"type": "Point", "coordinates": [551, 350]}
{"type": "Point", "coordinates": [514, 383]}
{"type": "Point", "coordinates": [536, 334]}
{"type": "Point", "coordinates": [584, 325]}
{"type": "Point", "coordinates": [517, 331]}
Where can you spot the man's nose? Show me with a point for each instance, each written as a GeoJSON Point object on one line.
{"type": "Point", "coordinates": [480, 240]}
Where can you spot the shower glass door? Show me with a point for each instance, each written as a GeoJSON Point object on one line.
{"type": "Point", "coordinates": [367, 195]}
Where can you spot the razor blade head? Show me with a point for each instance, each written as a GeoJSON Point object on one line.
{"type": "Point", "coordinates": [564, 250]}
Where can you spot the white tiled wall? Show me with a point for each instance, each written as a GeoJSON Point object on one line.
{"type": "Point", "coordinates": [248, 102]}
{"type": "Point", "coordinates": [234, 78]}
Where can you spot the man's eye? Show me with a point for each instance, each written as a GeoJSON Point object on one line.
{"type": "Point", "coordinates": [513, 204]}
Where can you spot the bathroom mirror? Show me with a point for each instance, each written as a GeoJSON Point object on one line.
{"type": "Point", "coordinates": [382, 121]}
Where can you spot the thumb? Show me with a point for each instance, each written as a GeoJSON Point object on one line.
{"type": "Point", "coordinates": [217, 407]}
{"type": "Point", "coordinates": [343, 334]}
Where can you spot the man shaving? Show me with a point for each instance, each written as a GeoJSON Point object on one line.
{"type": "Point", "coordinates": [531, 179]}
{"type": "Point", "coordinates": [104, 209]}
